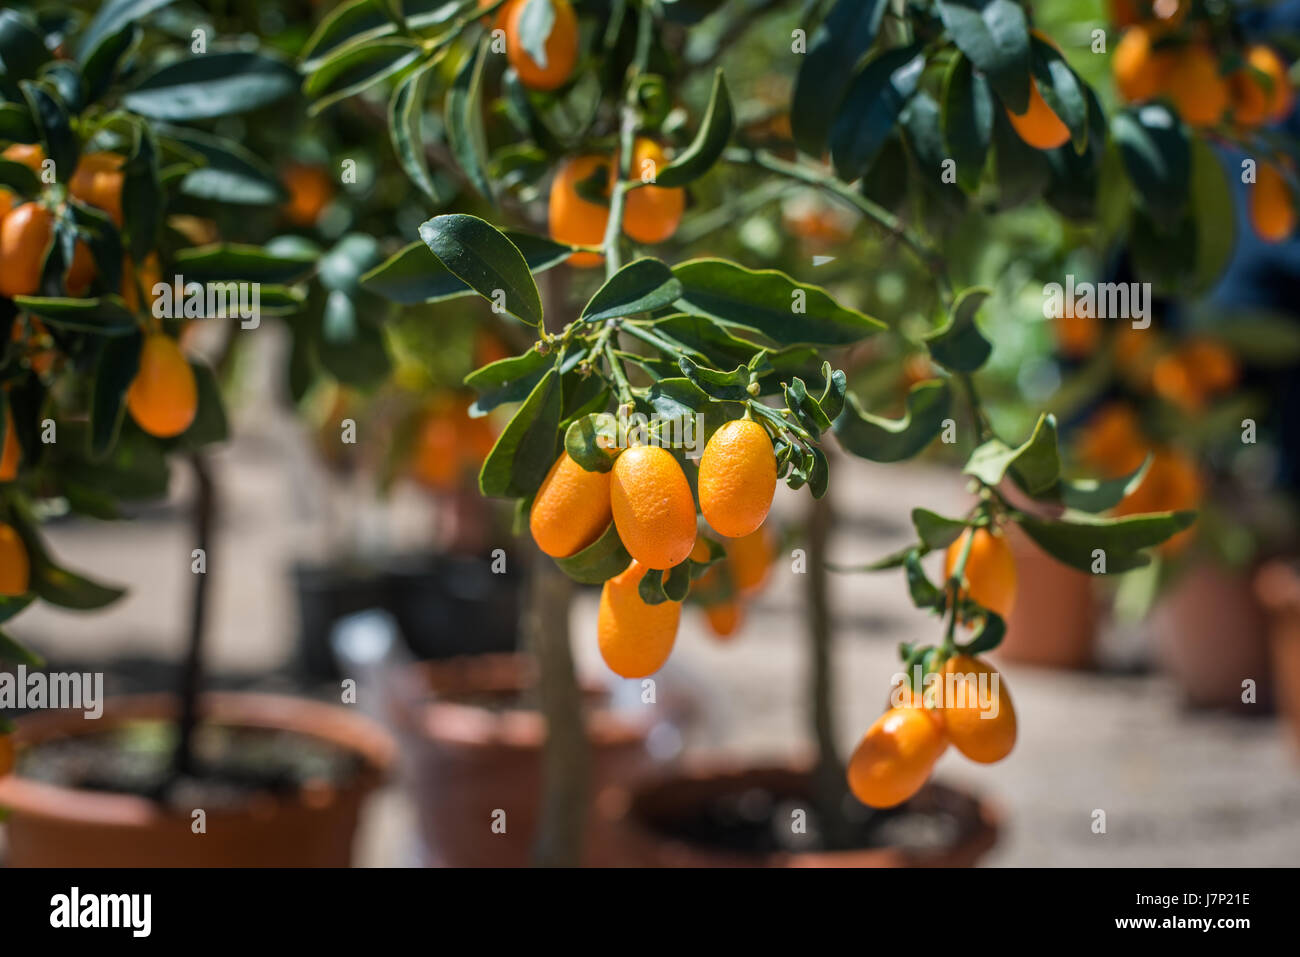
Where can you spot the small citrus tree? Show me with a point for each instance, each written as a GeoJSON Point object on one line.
{"type": "Point", "coordinates": [747, 351]}
{"type": "Point", "coordinates": [109, 171]}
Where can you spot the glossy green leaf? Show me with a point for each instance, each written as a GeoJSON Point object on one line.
{"type": "Point", "coordinates": [706, 149]}
{"type": "Point", "coordinates": [53, 124]}
{"type": "Point", "coordinates": [104, 62]}
{"type": "Point", "coordinates": [415, 275]}
{"type": "Point", "coordinates": [1023, 173]}
{"type": "Point", "coordinates": [967, 120]}
{"type": "Point", "coordinates": [112, 17]}
{"type": "Point", "coordinates": [142, 199]}
{"type": "Point", "coordinates": [994, 34]}
{"type": "Point", "coordinates": [114, 371]}
{"type": "Point", "coordinates": [601, 560]}
{"type": "Point", "coordinates": [105, 316]}
{"type": "Point", "coordinates": [19, 178]}
{"type": "Point", "coordinates": [22, 48]}
{"type": "Point", "coordinates": [1061, 89]}
{"type": "Point", "coordinates": [404, 114]}
{"type": "Point", "coordinates": [640, 286]}
{"type": "Point", "coordinates": [726, 386]}
{"type": "Point", "coordinates": [527, 447]}
{"type": "Point", "coordinates": [10, 650]}
{"type": "Point", "coordinates": [235, 262]}
{"type": "Point", "coordinates": [463, 113]}
{"type": "Point", "coordinates": [1214, 214]}
{"type": "Point", "coordinates": [232, 173]}
{"type": "Point", "coordinates": [871, 108]}
{"type": "Point", "coordinates": [826, 70]}
{"type": "Point", "coordinates": [959, 345]}
{"type": "Point", "coordinates": [16, 124]}
{"type": "Point", "coordinates": [215, 84]}
{"type": "Point", "coordinates": [592, 441]}
{"type": "Point", "coordinates": [1080, 541]}
{"type": "Point", "coordinates": [1100, 495]}
{"type": "Point", "coordinates": [1158, 158]}
{"type": "Point", "coordinates": [359, 67]}
{"type": "Point", "coordinates": [770, 303]}
{"type": "Point", "coordinates": [936, 531]}
{"type": "Point", "coordinates": [484, 259]}
{"type": "Point", "coordinates": [1035, 464]}
{"type": "Point", "coordinates": [924, 593]}
{"type": "Point", "coordinates": [892, 440]}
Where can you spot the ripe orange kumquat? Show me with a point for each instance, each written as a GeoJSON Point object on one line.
{"type": "Point", "coordinates": [990, 577]}
{"type": "Point", "coordinates": [652, 213]}
{"type": "Point", "coordinates": [737, 478]}
{"type": "Point", "coordinates": [1199, 92]}
{"type": "Point", "coordinates": [635, 639]}
{"type": "Point", "coordinates": [653, 508]}
{"type": "Point", "coordinates": [97, 181]}
{"type": "Point", "coordinates": [571, 509]}
{"type": "Point", "coordinates": [1039, 126]}
{"type": "Point", "coordinates": [1272, 205]}
{"type": "Point", "coordinates": [13, 452]}
{"type": "Point", "coordinates": [894, 758]}
{"type": "Point", "coordinates": [25, 236]}
{"type": "Point", "coordinates": [561, 47]}
{"type": "Point", "coordinates": [979, 718]}
{"type": "Point", "coordinates": [15, 569]}
{"type": "Point", "coordinates": [723, 618]}
{"type": "Point", "coordinates": [163, 398]}
{"type": "Point", "coordinates": [749, 559]}
{"type": "Point", "coordinates": [573, 219]}
{"type": "Point", "coordinates": [310, 191]}
{"type": "Point", "coordinates": [1140, 71]}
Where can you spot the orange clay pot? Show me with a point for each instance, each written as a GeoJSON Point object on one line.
{"type": "Point", "coordinates": [1277, 585]}
{"type": "Point", "coordinates": [1054, 620]}
{"type": "Point", "coordinates": [480, 751]}
{"type": "Point", "coordinates": [52, 826]}
{"type": "Point", "coordinates": [654, 807]}
{"type": "Point", "coordinates": [1210, 634]}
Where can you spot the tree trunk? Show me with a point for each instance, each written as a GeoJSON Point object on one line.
{"type": "Point", "coordinates": [205, 506]}
{"type": "Point", "coordinates": [565, 757]}
{"type": "Point", "coordinates": [829, 787]}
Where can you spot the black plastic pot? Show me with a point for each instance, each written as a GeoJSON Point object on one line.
{"type": "Point", "coordinates": [444, 605]}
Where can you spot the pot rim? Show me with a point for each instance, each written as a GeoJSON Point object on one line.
{"type": "Point", "coordinates": [471, 725]}
{"type": "Point", "coordinates": [987, 819]}
{"type": "Point", "coordinates": [314, 719]}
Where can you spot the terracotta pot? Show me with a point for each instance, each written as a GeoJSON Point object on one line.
{"type": "Point", "coordinates": [52, 826]}
{"type": "Point", "coordinates": [1278, 586]}
{"type": "Point", "coordinates": [655, 808]}
{"type": "Point", "coordinates": [1210, 634]}
{"type": "Point", "coordinates": [1054, 620]}
{"type": "Point", "coordinates": [480, 753]}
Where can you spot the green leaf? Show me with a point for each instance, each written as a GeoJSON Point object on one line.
{"type": "Point", "coordinates": [484, 259]}
{"type": "Point", "coordinates": [351, 345]}
{"type": "Point", "coordinates": [837, 47]}
{"type": "Point", "coordinates": [651, 587]}
{"type": "Point", "coordinates": [527, 447]}
{"type": "Point", "coordinates": [101, 67]}
{"type": "Point", "coordinates": [358, 67]}
{"type": "Point", "coordinates": [142, 200]}
{"type": "Point", "coordinates": [601, 560]}
{"type": "Point", "coordinates": [16, 124]}
{"type": "Point", "coordinates": [892, 440]}
{"type": "Point", "coordinates": [10, 650]}
{"type": "Point", "coordinates": [640, 286]}
{"type": "Point", "coordinates": [766, 301]}
{"type": "Point", "coordinates": [235, 262]}
{"type": "Point", "coordinates": [508, 380]}
{"type": "Point", "coordinates": [959, 345]}
{"type": "Point", "coordinates": [404, 114]}
{"type": "Point", "coordinates": [989, 635]}
{"type": "Point", "coordinates": [53, 124]}
{"type": "Point", "coordinates": [1061, 89]}
{"type": "Point", "coordinates": [936, 531]}
{"type": "Point", "coordinates": [414, 275]}
{"type": "Point", "coordinates": [967, 120]}
{"type": "Point", "coordinates": [921, 127]}
{"type": "Point", "coordinates": [67, 589]}
{"type": "Point", "coordinates": [1023, 172]}
{"type": "Point", "coordinates": [232, 174]}
{"type": "Point", "coordinates": [1036, 465]}
{"type": "Point", "coordinates": [22, 48]}
{"type": "Point", "coordinates": [362, 20]}
{"type": "Point", "coordinates": [1100, 495]}
{"type": "Point", "coordinates": [111, 17]}
{"type": "Point", "coordinates": [871, 109]}
{"type": "Point", "coordinates": [592, 441]}
{"type": "Point", "coordinates": [1157, 154]}
{"type": "Point", "coordinates": [19, 178]}
{"type": "Point", "coordinates": [114, 372]}
{"type": "Point", "coordinates": [212, 85]}
{"type": "Point", "coordinates": [705, 150]}
{"type": "Point", "coordinates": [725, 386]}
{"type": "Point", "coordinates": [995, 36]}
{"type": "Point", "coordinates": [1119, 539]}
{"type": "Point", "coordinates": [925, 594]}
{"type": "Point", "coordinates": [105, 316]}
{"type": "Point", "coordinates": [535, 24]}
{"type": "Point", "coordinates": [1214, 215]}
{"type": "Point", "coordinates": [464, 120]}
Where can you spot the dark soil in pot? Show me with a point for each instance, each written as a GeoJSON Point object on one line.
{"type": "Point", "coordinates": [742, 817]}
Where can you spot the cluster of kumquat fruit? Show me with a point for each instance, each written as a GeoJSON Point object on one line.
{"type": "Point", "coordinates": [1167, 53]}
{"type": "Point", "coordinates": [1113, 443]}
{"type": "Point", "coordinates": [652, 213]}
{"type": "Point", "coordinates": [648, 497]}
{"type": "Point", "coordinates": [163, 396]}
{"type": "Point", "coordinates": [962, 700]}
